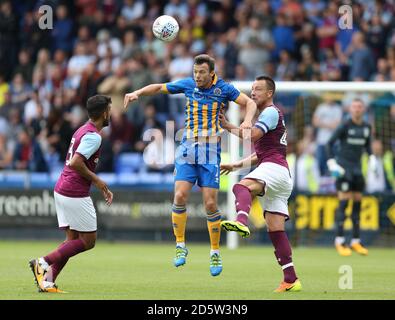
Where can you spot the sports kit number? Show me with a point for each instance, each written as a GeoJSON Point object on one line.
{"type": "Point", "coordinates": [70, 152]}
{"type": "Point", "coordinates": [283, 139]}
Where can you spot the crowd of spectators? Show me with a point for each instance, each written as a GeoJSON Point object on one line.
{"type": "Point", "coordinates": [107, 47]}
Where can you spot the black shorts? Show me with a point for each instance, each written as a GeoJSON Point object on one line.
{"type": "Point", "coordinates": [352, 180]}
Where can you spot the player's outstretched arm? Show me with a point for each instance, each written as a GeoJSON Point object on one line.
{"type": "Point", "coordinates": [77, 163]}
{"type": "Point", "coordinates": [254, 134]}
{"type": "Point", "coordinates": [149, 90]}
{"type": "Point", "coordinates": [251, 109]}
{"type": "Point", "coordinates": [246, 162]}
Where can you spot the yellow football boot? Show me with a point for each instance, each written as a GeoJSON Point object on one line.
{"type": "Point", "coordinates": [53, 289]}
{"type": "Point", "coordinates": [38, 273]}
{"type": "Point", "coordinates": [343, 250]}
{"type": "Point", "coordinates": [359, 248]}
{"type": "Point", "coordinates": [289, 287]}
{"type": "Point", "coordinates": [236, 226]}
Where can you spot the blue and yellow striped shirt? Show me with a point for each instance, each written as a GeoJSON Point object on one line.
{"type": "Point", "coordinates": [203, 105]}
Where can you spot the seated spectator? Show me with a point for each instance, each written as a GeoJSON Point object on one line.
{"type": "Point", "coordinates": [150, 122]}
{"type": "Point", "coordinates": [115, 86]}
{"type": "Point", "coordinates": [159, 153]}
{"type": "Point", "coordinates": [5, 153]}
{"type": "Point", "coordinates": [313, 9]}
{"type": "Point", "coordinates": [330, 67]}
{"type": "Point", "coordinates": [78, 63]}
{"type": "Point", "coordinates": [25, 66]}
{"type": "Point", "coordinates": [105, 41]}
{"type": "Point", "coordinates": [43, 62]}
{"type": "Point", "coordinates": [62, 30]}
{"type": "Point", "coordinates": [19, 90]}
{"type": "Point", "coordinates": [15, 124]}
{"type": "Point", "coordinates": [131, 45]}
{"type": "Point", "coordinates": [123, 134]}
{"type": "Point", "coordinates": [327, 29]}
{"type": "Point", "coordinates": [132, 11]}
{"type": "Point", "coordinates": [255, 44]}
{"type": "Point", "coordinates": [283, 37]}
{"type": "Point", "coordinates": [382, 72]}
{"type": "Point", "coordinates": [31, 107]}
{"type": "Point", "coordinates": [90, 79]}
{"type": "Point", "coordinates": [106, 162]}
{"type": "Point", "coordinates": [4, 90]}
{"type": "Point", "coordinates": [59, 133]}
{"type": "Point", "coordinates": [308, 68]}
{"type": "Point", "coordinates": [177, 9]}
{"type": "Point", "coordinates": [362, 64]}
{"type": "Point", "coordinates": [286, 68]}
{"type": "Point", "coordinates": [28, 154]}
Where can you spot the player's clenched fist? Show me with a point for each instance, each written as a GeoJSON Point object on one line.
{"type": "Point", "coordinates": [224, 122]}
{"type": "Point", "coordinates": [129, 97]}
{"type": "Point", "coordinates": [246, 125]}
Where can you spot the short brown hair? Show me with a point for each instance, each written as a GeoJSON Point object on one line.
{"type": "Point", "coordinates": [205, 58]}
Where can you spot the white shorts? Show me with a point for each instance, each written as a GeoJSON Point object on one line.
{"type": "Point", "coordinates": [278, 186]}
{"type": "Point", "coordinates": [77, 213]}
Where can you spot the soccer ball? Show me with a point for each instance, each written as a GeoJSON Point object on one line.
{"type": "Point", "coordinates": [165, 28]}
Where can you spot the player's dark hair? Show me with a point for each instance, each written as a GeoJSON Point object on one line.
{"type": "Point", "coordinates": [269, 82]}
{"type": "Point", "coordinates": [97, 105]}
{"type": "Point", "coordinates": [205, 58]}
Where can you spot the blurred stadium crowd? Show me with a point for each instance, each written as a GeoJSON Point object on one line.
{"type": "Point", "coordinates": [107, 47]}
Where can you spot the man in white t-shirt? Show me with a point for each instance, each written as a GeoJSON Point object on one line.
{"type": "Point", "coordinates": [326, 118]}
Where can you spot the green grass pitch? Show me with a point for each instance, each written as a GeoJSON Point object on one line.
{"type": "Point", "coordinates": [143, 271]}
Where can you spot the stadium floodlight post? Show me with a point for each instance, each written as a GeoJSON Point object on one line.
{"type": "Point", "coordinates": [288, 86]}
{"type": "Point", "coordinates": [234, 144]}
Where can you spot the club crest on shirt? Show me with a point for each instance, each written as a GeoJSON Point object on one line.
{"type": "Point", "coordinates": [217, 91]}
{"type": "Point", "coordinates": [197, 95]}
{"type": "Point", "coordinates": [366, 132]}
{"type": "Point", "coordinates": [96, 160]}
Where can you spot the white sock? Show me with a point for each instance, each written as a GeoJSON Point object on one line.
{"type": "Point", "coordinates": [43, 263]}
{"type": "Point", "coordinates": [355, 240]}
{"type": "Point", "coordinates": [339, 240]}
{"type": "Point", "coordinates": [180, 244]}
{"type": "Point", "coordinates": [216, 251]}
{"type": "Point", "coordinates": [48, 284]}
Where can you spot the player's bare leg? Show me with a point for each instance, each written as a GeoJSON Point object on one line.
{"type": "Point", "coordinates": [344, 198]}
{"type": "Point", "coordinates": [276, 228]}
{"type": "Point", "coordinates": [210, 200]}
{"type": "Point", "coordinates": [355, 216]}
{"type": "Point", "coordinates": [244, 192]}
{"type": "Point", "coordinates": [179, 219]}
